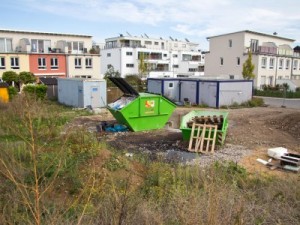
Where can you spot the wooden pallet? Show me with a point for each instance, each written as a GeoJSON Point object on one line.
{"type": "Point", "coordinates": [203, 138]}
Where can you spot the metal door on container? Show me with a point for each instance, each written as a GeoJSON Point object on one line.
{"type": "Point", "coordinates": [95, 96]}
{"type": "Point", "coordinates": [80, 97]}
{"type": "Point", "coordinates": [212, 96]}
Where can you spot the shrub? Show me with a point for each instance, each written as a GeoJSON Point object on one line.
{"type": "Point", "coordinates": [12, 91]}
{"type": "Point", "coordinates": [38, 91]}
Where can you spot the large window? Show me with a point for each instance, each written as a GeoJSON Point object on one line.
{"type": "Point", "coordinates": [77, 63]}
{"type": "Point", "coordinates": [128, 53]}
{"type": "Point", "coordinates": [88, 63]}
{"type": "Point", "coordinates": [54, 63]}
{"type": "Point", "coordinates": [40, 45]}
{"type": "Point", "coordinates": [271, 65]}
{"type": "Point", "coordinates": [254, 45]}
{"type": "Point", "coordinates": [42, 63]}
{"type": "Point", "coordinates": [264, 62]}
{"type": "Point", "coordinates": [5, 45]}
{"type": "Point", "coordinates": [2, 63]}
{"type": "Point", "coordinates": [75, 46]}
{"type": "Point", "coordinates": [186, 57]}
{"type": "Point", "coordinates": [14, 63]}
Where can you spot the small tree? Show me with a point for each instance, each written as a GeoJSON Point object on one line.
{"type": "Point", "coordinates": [248, 68]}
{"type": "Point", "coordinates": [10, 77]}
{"type": "Point", "coordinates": [142, 65]}
{"type": "Point", "coordinates": [112, 73]}
{"type": "Point", "coordinates": [27, 77]}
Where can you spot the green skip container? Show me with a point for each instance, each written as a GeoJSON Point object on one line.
{"type": "Point", "coordinates": [222, 127]}
{"type": "Point", "coordinates": [140, 111]}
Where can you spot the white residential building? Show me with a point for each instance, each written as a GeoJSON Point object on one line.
{"type": "Point", "coordinates": [163, 58]}
{"type": "Point", "coordinates": [272, 55]}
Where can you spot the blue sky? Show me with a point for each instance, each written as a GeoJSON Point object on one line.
{"type": "Point", "coordinates": [191, 19]}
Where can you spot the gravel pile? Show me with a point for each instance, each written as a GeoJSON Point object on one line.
{"type": "Point", "coordinates": [228, 153]}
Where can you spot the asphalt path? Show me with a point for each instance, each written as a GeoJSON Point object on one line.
{"type": "Point", "coordinates": [282, 102]}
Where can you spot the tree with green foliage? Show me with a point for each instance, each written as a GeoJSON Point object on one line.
{"type": "Point", "coordinates": [142, 65]}
{"type": "Point", "coordinates": [10, 77]}
{"type": "Point", "coordinates": [248, 68]}
{"type": "Point", "coordinates": [111, 73]}
{"type": "Point", "coordinates": [27, 77]}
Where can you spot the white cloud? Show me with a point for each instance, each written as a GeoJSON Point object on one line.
{"type": "Point", "coordinates": [194, 18]}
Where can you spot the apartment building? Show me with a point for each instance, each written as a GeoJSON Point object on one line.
{"type": "Point", "coordinates": [273, 57]}
{"type": "Point", "coordinates": [48, 54]}
{"type": "Point", "coordinates": [162, 58]}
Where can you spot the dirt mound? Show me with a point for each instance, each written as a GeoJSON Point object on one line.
{"type": "Point", "coordinates": [289, 123]}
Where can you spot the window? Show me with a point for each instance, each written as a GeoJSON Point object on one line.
{"type": "Point", "coordinates": [165, 55]}
{"type": "Point", "coordinates": [263, 62]}
{"type": "Point", "coordinates": [88, 63]}
{"type": "Point", "coordinates": [231, 77]}
{"type": "Point", "coordinates": [175, 66]}
{"type": "Point", "coordinates": [230, 43]}
{"type": "Point", "coordinates": [254, 45]}
{"type": "Point", "coordinates": [75, 46]}
{"type": "Point", "coordinates": [175, 55]}
{"type": "Point", "coordinates": [156, 43]}
{"type": "Point", "coordinates": [192, 69]}
{"type": "Point", "coordinates": [5, 45]}
{"type": "Point", "coordinates": [42, 63]}
{"type": "Point", "coordinates": [238, 61]}
{"type": "Point", "coordinates": [129, 65]}
{"type": "Point", "coordinates": [171, 85]}
{"type": "Point", "coordinates": [287, 64]}
{"type": "Point", "coordinates": [108, 54]}
{"type": "Point", "coordinates": [186, 57]}
{"type": "Point", "coordinates": [295, 64]}
{"type": "Point", "coordinates": [38, 45]}
{"type": "Point", "coordinates": [148, 42]}
{"type": "Point", "coordinates": [77, 63]}
{"type": "Point", "coordinates": [221, 61]}
{"type": "Point", "coordinates": [2, 63]}
{"type": "Point", "coordinates": [280, 66]}
{"type": "Point", "coordinates": [54, 63]}
{"type": "Point", "coordinates": [128, 53]}
{"type": "Point", "coordinates": [271, 65]}
{"type": "Point", "coordinates": [14, 63]}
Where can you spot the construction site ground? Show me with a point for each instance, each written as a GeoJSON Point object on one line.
{"type": "Point", "coordinates": [250, 133]}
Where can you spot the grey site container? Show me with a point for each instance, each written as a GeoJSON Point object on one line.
{"type": "Point", "coordinates": [82, 93]}
{"type": "Point", "coordinates": [213, 93]}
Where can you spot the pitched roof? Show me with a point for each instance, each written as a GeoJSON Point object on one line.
{"type": "Point", "coordinates": [48, 80]}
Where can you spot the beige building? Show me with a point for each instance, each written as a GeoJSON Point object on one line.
{"type": "Point", "coordinates": [272, 55]}
{"type": "Point", "coordinates": [48, 54]}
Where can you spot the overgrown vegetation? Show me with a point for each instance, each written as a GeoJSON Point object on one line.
{"type": "Point", "coordinates": [52, 172]}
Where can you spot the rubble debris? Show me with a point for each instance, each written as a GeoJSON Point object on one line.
{"type": "Point", "coordinates": [283, 160]}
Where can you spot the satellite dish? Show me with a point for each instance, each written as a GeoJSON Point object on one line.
{"type": "Point", "coordinates": [128, 34]}
{"type": "Point", "coordinates": [146, 35]}
{"type": "Point", "coordinates": [171, 38]}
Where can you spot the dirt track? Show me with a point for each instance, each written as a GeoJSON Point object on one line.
{"type": "Point", "coordinates": [250, 133]}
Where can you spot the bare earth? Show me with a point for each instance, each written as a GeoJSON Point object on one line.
{"type": "Point", "coordinates": [250, 133]}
